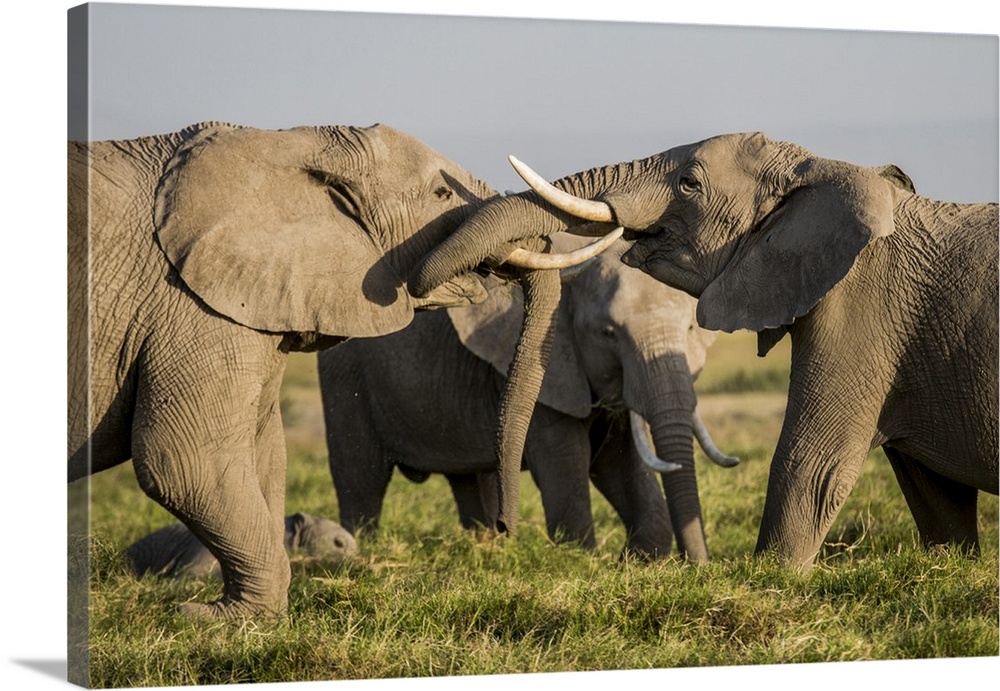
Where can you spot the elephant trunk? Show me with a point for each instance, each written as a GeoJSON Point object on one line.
{"type": "Point", "coordinates": [524, 381]}
{"type": "Point", "coordinates": [490, 234]}
{"type": "Point", "coordinates": [660, 388]}
{"type": "Point", "coordinates": [672, 438]}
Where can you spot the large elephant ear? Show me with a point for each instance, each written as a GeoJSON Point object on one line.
{"type": "Point", "coordinates": [490, 330]}
{"type": "Point", "coordinates": [789, 264]}
{"type": "Point", "coordinates": [264, 237]}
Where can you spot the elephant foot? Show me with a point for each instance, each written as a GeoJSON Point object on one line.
{"type": "Point", "coordinates": [228, 610]}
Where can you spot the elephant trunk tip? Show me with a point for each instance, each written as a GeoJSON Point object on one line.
{"type": "Point", "coordinates": [425, 278]}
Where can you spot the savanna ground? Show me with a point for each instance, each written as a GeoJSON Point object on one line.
{"type": "Point", "coordinates": [425, 598]}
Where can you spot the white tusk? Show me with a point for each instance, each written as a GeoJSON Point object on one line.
{"type": "Point", "coordinates": [587, 209]}
{"type": "Point", "coordinates": [711, 450]}
{"type": "Point", "coordinates": [640, 436]}
{"type": "Point", "coordinates": [539, 260]}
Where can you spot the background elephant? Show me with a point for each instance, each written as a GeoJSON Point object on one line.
{"type": "Point", "coordinates": [425, 399]}
{"type": "Point", "coordinates": [197, 261]}
{"type": "Point", "coordinates": [175, 552]}
{"type": "Point", "coordinates": [890, 300]}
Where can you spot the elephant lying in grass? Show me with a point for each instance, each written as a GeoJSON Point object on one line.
{"type": "Point", "coordinates": [424, 400]}
{"type": "Point", "coordinates": [197, 260]}
{"type": "Point", "coordinates": [173, 551]}
{"type": "Point", "coordinates": [890, 300]}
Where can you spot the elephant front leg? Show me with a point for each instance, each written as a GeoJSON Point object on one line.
{"type": "Point", "coordinates": [812, 473]}
{"type": "Point", "coordinates": [633, 491]}
{"type": "Point", "coordinates": [195, 453]}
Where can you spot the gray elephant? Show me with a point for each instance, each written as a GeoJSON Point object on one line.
{"type": "Point", "coordinates": [197, 260]}
{"type": "Point", "coordinates": [424, 400]}
{"type": "Point", "coordinates": [173, 551]}
{"type": "Point", "coordinates": [890, 300]}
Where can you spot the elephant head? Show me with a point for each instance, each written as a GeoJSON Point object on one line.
{"type": "Point", "coordinates": [625, 343]}
{"type": "Point", "coordinates": [758, 230]}
{"type": "Point", "coordinates": [284, 231]}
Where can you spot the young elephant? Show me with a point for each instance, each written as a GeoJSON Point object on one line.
{"type": "Point", "coordinates": [174, 551]}
{"type": "Point", "coordinates": [425, 399]}
{"type": "Point", "coordinates": [890, 300]}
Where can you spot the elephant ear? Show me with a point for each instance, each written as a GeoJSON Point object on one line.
{"type": "Point", "coordinates": [264, 237]}
{"type": "Point", "coordinates": [490, 330]}
{"type": "Point", "coordinates": [803, 249]}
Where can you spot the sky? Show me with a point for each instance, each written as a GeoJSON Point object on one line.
{"type": "Point", "coordinates": [561, 94]}
{"type": "Point", "coordinates": [563, 86]}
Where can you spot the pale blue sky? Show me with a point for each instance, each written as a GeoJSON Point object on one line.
{"type": "Point", "coordinates": [562, 95]}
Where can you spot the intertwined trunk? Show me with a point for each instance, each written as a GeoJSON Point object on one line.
{"type": "Point", "coordinates": [524, 381]}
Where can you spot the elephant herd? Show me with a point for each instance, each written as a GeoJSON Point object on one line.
{"type": "Point", "coordinates": [471, 334]}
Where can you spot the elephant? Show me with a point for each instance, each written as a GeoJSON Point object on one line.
{"type": "Point", "coordinates": [889, 298]}
{"type": "Point", "coordinates": [174, 552]}
{"type": "Point", "coordinates": [197, 260]}
{"type": "Point", "coordinates": [424, 399]}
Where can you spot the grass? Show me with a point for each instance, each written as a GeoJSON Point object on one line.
{"type": "Point", "coordinates": [425, 598]}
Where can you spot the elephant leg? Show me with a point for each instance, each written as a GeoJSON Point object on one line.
{"type": "Point", "coordinates": [471, 512]}
{"type": "Point", "coordinates": [360, 472]}
{"type": "Point", "coordinates": [944, 510]}
{"type": "Point", "coordinates": [812, 473]}
{"type": "Point", "coordinates": [557, 452]}
{"type": "Point", "coordinates": [270, 457]}
{"type": "Point", "coordinates": [634, 492]}
{"type": "Point", "coordinates": [194, 452]}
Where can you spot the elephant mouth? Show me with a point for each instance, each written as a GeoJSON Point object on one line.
{"type": "Point", "coordinates": [666, 262]}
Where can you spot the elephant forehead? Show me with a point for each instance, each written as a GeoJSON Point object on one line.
{"type": "Point", "coordinates": [630, 294]}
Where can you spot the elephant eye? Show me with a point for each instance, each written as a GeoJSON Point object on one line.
{"type": "Point", "coordinates": [442, 193]}
{"type": "Point", "coordinates": [608, 331]}
{"type": "Point", "coordinates": [689, 184]}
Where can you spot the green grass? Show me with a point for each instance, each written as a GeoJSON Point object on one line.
{"type": "Point", "coordinates": [425, 598]}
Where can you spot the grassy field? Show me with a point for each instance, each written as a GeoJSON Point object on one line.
{"type": "Point", "coordinates": [425, 598]}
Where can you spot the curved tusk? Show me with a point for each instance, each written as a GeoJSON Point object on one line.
{"type": "Point", "coordinates": [640, 436]}
{"type": "Point", "coordinates": [539, 260]}
{"type": "Point", "coordinates": [711, 450]}
{"type": "Point", "coordinates": [587, 209]}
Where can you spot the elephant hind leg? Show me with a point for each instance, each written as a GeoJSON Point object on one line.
{"type": "Point", "coordinates": [557, 452]}
{"type": "Point", "coordinates": [944, 510]}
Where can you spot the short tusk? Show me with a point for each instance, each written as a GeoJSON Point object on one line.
{"type": "Point", "coordinates": [640, 436]}
{"type": "Point", "coordinates": [711, 450]}
{"type": "Point", "coordinates": [587, 209]}
{"type": "Point", "coordinates": [538, 260]}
